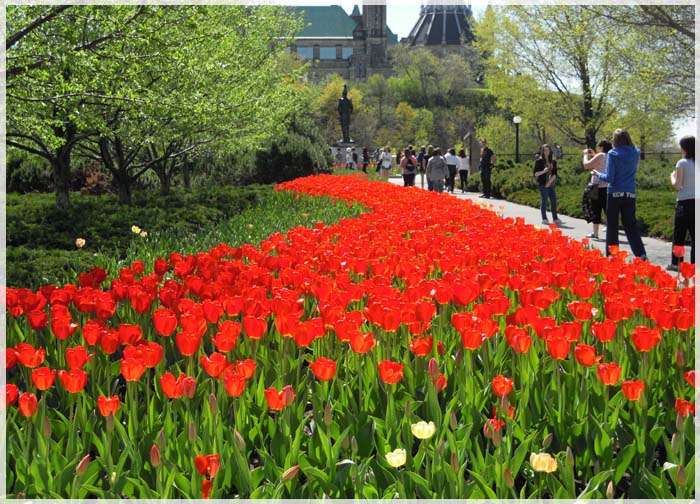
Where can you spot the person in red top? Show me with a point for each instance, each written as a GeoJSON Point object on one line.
{"type": "Point", "coordinates": [409, 168]}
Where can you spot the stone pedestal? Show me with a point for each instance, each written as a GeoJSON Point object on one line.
{"type": "Point", "coordinates": [340, 149]}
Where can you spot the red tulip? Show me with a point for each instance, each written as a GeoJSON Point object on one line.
{"type": "Point", "coordinates": [92, 331]}
{"type": "Point", "coordinates": [132, 368]}
{"type": "Point", "coordinates": [609, 374]}
{"type": "Point", "coordinates": [684, 408]}
{"type": "Point", "coordinates": [164, 321]}
{"type": "Point", "coordinates": [255, 327]}
{"type": "Point", "coordinates": [213, 311]}
{"type": "Point", "coordinates": [73, 381]}
{"type": "Point", "coordinates": [213, 364]}
{"type": "Point", "coordinates": [207, 465]}
{"type": "Point", "coordinates": [390, 372]}
{"type": "Point", "coordinates": [235, 384]}
{"type": "Point", "coordinates": [501, 385]}
{"type": "Point", "coordinates": [227, 337]}
{"type": "Point", "coordinates": [678, 250]}
{"type": "Point", "coordinates": [77, 357]}
{"type": "Point", "coordinates": [362, 342]}
{"type": "Point", "coordinates": [632, 389]}
{"type": "Point", "coordinates": [323, 369]}
{"type": "Point", "coordinates": [187, 342]}
{"type": "Point", "coordinates": [690, 377]}
{"type": "Point", "coordinates": [10, 358]}
{"type": "Point", "coordinates": [581, 310]}
{"type": "Point", "coordinates": [421, 346]}
{"type": "Point", "coordinates": [37, 319]}
{"type": "Point", "coordinates": [28, 356]}
{"type": "Point", "coordinates": [11, 394]}
{"type": "Point", "coordinates": [171, 387]}
{"type": "Point", "coordinates": [585, 355]}
{"type": "Point", "coordinates": [440, 382]}
{"type": "Point", "coordinates": [558, 348]}
{"type": "Point", "coordinates": [279, 400]}
{"type": "Point", "coordinates": [43, 378]}
{"type": "Point", "coordinates": [645, 338]}
{"type": "Point", "coordinates": [110, 341]}
{"type": "Point", "coordinates": [27, 404]}
{"type": "Point", "coordinates": [687, 270]}
{"type": "Point", "coordinates": [129, 334]}
{"type": "Point", "coordinates": [604, 331]}
{"type": "Point", "coordinates": [63, 327]}
{"type": "Point", "coordinates": [108, 405]}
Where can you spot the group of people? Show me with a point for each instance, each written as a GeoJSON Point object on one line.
{"type": "Point", "coordinates": [440, 170]}
{"type": "Point", "coordinates": [612, 190]}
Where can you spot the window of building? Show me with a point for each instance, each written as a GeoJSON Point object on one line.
{"type": "Point", "coordinates": [305, 52]}
{"type": "Point", "coordinates": [326, 53]}
{"type": "Point", "coordinates": [347, 52]}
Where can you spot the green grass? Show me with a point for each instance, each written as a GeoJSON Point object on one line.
{"type": "Point", "coordinates": [41, 241]}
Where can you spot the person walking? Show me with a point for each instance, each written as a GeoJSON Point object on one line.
{"type": "Point", "coordinates": [620, 174]}
{"type": "Point", "coordinates": [429, 154]}
{"type": "Point", "coordinates": [365, 159]}
{"type": "Point", "coordinates": [486, 160]}
{"type": "Point", "coordinates": [386, 159]}
{"type": "Point", "coordinates": [437, 171]}
{"type": "Point", "coordinates": [409, 164]}
{"type": "Point", "coordinates": [597, 162]}
{"type": "Point", "coordinates": [348, 158]}
{"type": "Point", "coordinates": [463, 169]}
{"type": "Point", "coordinates": [452, 161]}
{"type": "Point", "coordinates": [545, 172]}
{"type": "Point", "coordinates": [421, 164]}
{"type": "Point", "coordinates": [683, 181]}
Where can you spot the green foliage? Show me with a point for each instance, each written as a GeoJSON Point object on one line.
{"type": "Point", "coordinates": [26, 173]}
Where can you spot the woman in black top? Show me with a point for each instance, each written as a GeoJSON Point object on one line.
{"type": "Point", "coordinates": [546, 174]}
{"type": "Point", "coordinates": [365, 159]}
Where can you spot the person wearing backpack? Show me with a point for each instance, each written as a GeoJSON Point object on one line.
{"type": "Point", "coordinates": [437, 171]}
{"type": "Point", "coordinates": [409, 163]}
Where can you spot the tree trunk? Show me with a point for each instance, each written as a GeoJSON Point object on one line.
{"type": "Point", "coordinates": [164, 182]}
{"type": "Point", "coordinates": [61, 180]}
{"type": "Point", "coordinates": [124, 185]}
{"type": "Point", "coordinates": [186, 173]}
{"type": "Point", "coordinates": [642, 147]}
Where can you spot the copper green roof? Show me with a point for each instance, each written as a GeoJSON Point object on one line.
{"type": "Point", "coordinates": [330, 21]}
{"type": "Point", "coordinates": [325, 21]}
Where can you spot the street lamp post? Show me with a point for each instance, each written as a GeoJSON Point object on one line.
{"type": "Point", "coordinates": [517, 120]}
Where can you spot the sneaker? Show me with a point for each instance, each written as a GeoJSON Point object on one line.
{"type": "Point", "coordinates": [592, 236]}
{"type": "Point", "coordinates": [672, 267]}
{"type": "Point", "coordinates": [482, 196]}
{"type": "Point", "coordinates": [545, 222]}
{"type": "Point", "coordinates": [558, 222]}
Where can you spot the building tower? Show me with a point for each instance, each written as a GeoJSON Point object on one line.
{"type": "Point", "coordinates": [374, 21]}
{"type": "Point", "coordinates": [442, 26]}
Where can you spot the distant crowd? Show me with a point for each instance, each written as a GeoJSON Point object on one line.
{"type": "Point", "coordinates": [611, 190]}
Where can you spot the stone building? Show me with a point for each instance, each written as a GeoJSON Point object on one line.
{"type": "Point", "coordinates": [356, 45]}
{"type": "Point", "coordinates": [353, 46]}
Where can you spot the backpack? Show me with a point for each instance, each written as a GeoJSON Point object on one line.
{"type": "Point", "coordinates": [409, 164]}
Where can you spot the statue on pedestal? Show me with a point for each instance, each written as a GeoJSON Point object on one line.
{"type": "Point", "coordinates": [345, 108]}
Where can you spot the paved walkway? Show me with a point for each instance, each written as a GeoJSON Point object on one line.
{"type": "Point", "coordinates": [658, 252]}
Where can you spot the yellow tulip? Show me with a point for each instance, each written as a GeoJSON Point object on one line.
{"type": "Point", "coordinates": [397, 458]}
{"type": "Point", "coordinates": [79, 242]}
{"type": "Point", "coordinates": [543, 462]}
{"type": "Point", "coordinates": [143, 234]}
{"type": "Point", "coordinates": [423, 430]}
{"type": "Point", "coordinates": [135, 229]}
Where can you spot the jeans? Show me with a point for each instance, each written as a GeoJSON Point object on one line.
{"type": "Point", "coordinates": [548, 192]}
{"type": "Point", "coordinates": [409, 179]}
{"type": "Point", "coordinates": [683, 223]}
{"type": "Point", "coordinates": [450, 182]}
{"type": "Point", "coordinates": [438, 185]}
{"type": "Point", "coordinates": [625, 207]}
{"type": "Point", "coordinates": [463, 174]}
{"type": "Point", "coordinates": [486, 180]}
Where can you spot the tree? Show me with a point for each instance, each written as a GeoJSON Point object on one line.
{"type": "Point", "coordinates": [564, 49]}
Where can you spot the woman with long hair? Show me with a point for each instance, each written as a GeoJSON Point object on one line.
{"type": "Point", "coordinates": [546, 174]}
{"type": "Point", "coordinates": [683, 181]}
{"type": "Point", "coordinates": [463, 169]}
{"type": "Point", "coordinates": [597, 162]}
{"type": "Point", "coordinates": [621, 176]}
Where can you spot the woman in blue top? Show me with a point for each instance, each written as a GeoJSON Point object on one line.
{"type": "Point", "coordinates": [683, 181]}
{"type": "Point", "coordinates": [620, 174]}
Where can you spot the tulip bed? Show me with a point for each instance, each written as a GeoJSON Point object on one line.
{"type": "Point", "coordinates": [428, 348]}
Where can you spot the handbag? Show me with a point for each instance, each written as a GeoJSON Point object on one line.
{"type": "Point", "coordinates": [593, 191]}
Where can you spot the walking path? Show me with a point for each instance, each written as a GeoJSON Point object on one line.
{"type": "Point", "coordinates": [658, 252]}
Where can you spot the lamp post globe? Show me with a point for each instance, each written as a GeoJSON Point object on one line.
{"type": "Point", "coordinates": [517, 120]}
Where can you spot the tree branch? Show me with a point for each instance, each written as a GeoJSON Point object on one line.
{"type": "Point", "coordinates": [13, 39]}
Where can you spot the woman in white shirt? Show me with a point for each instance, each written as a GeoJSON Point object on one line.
{"type": "Point", "coordinates": [463, 167]}
{"type": "Point", "coordinates": [597, 162]}
{"type": "Point", "coordinates": [452, 161]}
{"type": "Point", "coordinates": [683, 181]}
{"type": "Point", "coordinates": [385, 161]}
